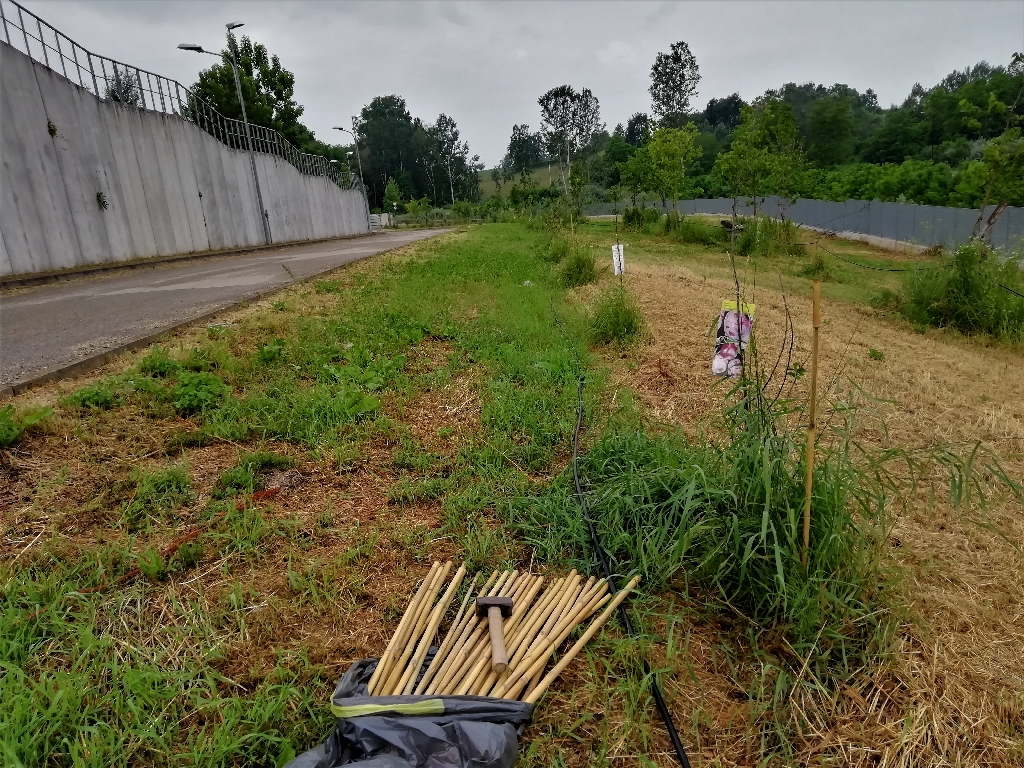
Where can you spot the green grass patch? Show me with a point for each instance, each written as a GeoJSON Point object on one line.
{"type": "Point", "coordinates": [616, 318]}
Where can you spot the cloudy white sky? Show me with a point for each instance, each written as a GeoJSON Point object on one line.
{"type": "Point", "coordinates": [485, 63]}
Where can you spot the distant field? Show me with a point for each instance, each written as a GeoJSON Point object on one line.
{"type": "Point", "coordinates": [543, 177]}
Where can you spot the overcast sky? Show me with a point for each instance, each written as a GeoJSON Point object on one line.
{"type": "Point", "coordinates": [486, 63]}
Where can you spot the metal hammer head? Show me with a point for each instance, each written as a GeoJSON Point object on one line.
{"type": "Point", "coordinates": [485, 603]}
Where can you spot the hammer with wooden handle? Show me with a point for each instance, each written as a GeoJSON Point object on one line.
{"type": "Point", "coordinates": [496, 609]}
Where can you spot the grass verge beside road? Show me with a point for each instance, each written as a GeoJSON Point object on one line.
{"type": "Point", "coordinates": [198, 543]}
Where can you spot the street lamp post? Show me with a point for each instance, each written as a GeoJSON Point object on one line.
{"type": "Point", "coordinates": [359, 159]}
{"type": "Point", "coordinates": [233, 60]}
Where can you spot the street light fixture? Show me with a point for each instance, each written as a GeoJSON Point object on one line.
{"type": "Point", "coordinates": [355, 143]}
{"type": "Point", "coordinates": [233, 60]}
{"type": "Point", "coordinates": [359, 159]}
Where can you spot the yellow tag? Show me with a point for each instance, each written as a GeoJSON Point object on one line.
{"type": "Point", "coordinates": [729, 305]}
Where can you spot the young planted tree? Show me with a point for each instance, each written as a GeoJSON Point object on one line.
{"type": "Point", "coordinates": [674, 78]}
{"type": "Point", "coordinates": [637, 173]}
{"type": "Point", "coordinates": [671, 151]}
{"type": "Point", "coordinates": [765, 157]}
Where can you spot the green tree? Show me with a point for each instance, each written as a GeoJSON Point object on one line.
{"type": "Point", "coordinates": [267, 87]}
{"type": "Point", "coordinates": [765, 157]}
{"type": "Point", "coordinates": [392, 196]}
{"type": "Point", "coordinates": [674, 78]}
{"type": "Point", "coordinates": [671, 152]}
{"type": "Point", "coordinates": [525, 150]}
{"type": "Point", "coordinates": [830, 131]}
{"type": "Point", "coordinates": [637, 173]}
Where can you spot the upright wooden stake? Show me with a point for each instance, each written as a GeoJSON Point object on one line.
{"type": "Point", "coordinates": [811, 423]}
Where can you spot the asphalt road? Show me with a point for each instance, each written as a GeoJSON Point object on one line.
{"type": "Point", "coordinates": [46, 328]}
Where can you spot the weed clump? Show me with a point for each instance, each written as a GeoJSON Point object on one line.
{"type": "Point", "coordinates": [98, 395]}
{"type": "Point", "coordinates": [243, 478]}
{"type": "Point", "coordinates": [196, 392]}
{"type": "Point", "coordinates": [578, 269]}
{"type": "Point", "coordinates": [763, 236]}
{"type": "Point", "coordinates": [968, 294]}
{"type": "Point", "coordinates": [12, 425]}
{"type": "Point", "coordinates": [687, 229]}
{"type": "Point", "coordinates": [159, 364]}
{"type": "Point", "coordinates": [617, 319]}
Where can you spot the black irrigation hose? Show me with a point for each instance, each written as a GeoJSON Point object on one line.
{"type": "Point", "coordinates": [659, 700]}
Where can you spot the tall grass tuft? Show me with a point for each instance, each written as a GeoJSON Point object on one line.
{"type": "Point", "coordinates": [577, 269]}
{"type": "Point", "coordinates": [763, 236]}
{"type": "Point", "coordinates": [722, 512]}
{"type": "Point", "coordinates": [617, 318]}
{"type": "Point", "coordinates": [966, 294]}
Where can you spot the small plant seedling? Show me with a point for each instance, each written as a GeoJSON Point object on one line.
{"type": "Point", "coordinates": [101, 201]}
{"type": "Point", "coordinates": [152, 565]}
{"type": "Point", "coordinates": [279, 306]}
{"type": "Point", "coordinates": [51, 128]}
{"type": "Point", "coordinates": [876, 354]}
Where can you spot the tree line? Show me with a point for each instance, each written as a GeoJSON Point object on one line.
{"type": "Point", "coordinates": [402, 158]}
{"type": "Point", "coordinates": [957, 143]}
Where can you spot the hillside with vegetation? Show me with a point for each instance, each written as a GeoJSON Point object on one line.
{"type": "Point", "coordinates": [944, 145]}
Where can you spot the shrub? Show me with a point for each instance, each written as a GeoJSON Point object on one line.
{"type": "Point", "coordinates": [637, 218]}
{"type": "Point", "coordinates": [558, 249]}
{"type": "Point", "coordinates": [817, 268]}
{"type": "Point", "coordinates": [12, 426]}
{"type": "Point", "coordinates": [98, 395]}
{"type": "Point", "coordinates": [578, 269]}
{"type": "Point", "coordinates": [693, 230]}
{"type": "Point", "coordinates": [158, 364]}
{"type": "Point", "coordinates": [197, 391]}
{"type": "Point", "coordinates": [617, 318]}
{"type": "Point", "coordinates": [966, 294]}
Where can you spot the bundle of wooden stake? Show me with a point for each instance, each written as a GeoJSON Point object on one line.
{"type": "Point", "coordinates": [539, 623]}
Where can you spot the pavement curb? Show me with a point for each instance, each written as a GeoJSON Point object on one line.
{"type": "Point", "coordinates": [57, 276]}
{"type": "Point", "coordinates": [100, 359]}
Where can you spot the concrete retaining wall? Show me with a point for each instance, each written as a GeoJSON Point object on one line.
{"type": "Point", "coordinates": [169, 187]}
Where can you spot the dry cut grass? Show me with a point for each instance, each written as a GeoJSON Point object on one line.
{"type": "Point", "coordinates": [954, 692]}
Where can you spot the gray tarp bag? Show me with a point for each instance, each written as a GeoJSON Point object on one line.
{"type": "Point", "coordinates": [416, 731]}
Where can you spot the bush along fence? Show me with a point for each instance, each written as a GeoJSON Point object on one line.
{"type": "Point", "coordinates": [891, 224]}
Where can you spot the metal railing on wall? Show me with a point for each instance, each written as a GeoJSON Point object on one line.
{"type": "Point", "coordinates": [112, 80]}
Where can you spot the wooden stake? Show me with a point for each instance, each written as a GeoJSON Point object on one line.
{"type": "Point", "coordinates": [388, 688]}
{"type": "Point", "coordinates": [449, 639]}
{"type": "Point", "coordinates": [571, 654]}
{"type": "Point", "coordinates": [408, 681]}
{"type": "Point", "coordinates": [811, 424]}
{"type": "Point", "coordinates": [384, 665]}
{"type": "Point", "coordinates": [536, 661]}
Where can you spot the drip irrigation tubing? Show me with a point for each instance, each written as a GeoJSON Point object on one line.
{"type": "Point", "coordinates": [602, 556]}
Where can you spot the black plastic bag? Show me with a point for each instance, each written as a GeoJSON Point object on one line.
{"type": "Point", "coordinates": [416, 731]}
